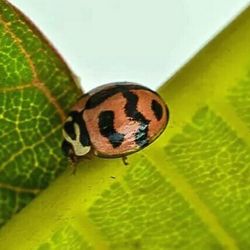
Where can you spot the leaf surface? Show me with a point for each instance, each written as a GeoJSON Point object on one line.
{"type": "Point", "coordinates": [189, 190]}
{"type": "Point", "coordinates": [36, 88]}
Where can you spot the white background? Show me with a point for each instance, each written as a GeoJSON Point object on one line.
{"type": "Point", "coordinates": [143, 41]}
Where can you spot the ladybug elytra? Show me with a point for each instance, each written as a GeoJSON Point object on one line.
{"type": "Point", "coordinates": [114, 120]}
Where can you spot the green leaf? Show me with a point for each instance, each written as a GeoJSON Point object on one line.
{"type": "Point", "coordinates": [189, 190]}
{"type": "Point", "coordinates": [36, 88]}
{"type": "Point", "coordinates": [65, 238]}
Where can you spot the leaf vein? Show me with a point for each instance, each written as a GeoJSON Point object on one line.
{"type": "Point", "coordinates": [13, 156]}
{"type": "Point", "coordinates": [15, 88]}
{"type": "Point", "coordinates": [19, 189]}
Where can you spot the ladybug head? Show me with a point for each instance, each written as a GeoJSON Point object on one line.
{"type": "Point", "coordinates": [76, 138]}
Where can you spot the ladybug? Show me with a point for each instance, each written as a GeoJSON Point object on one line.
{"type": "Point", "coordinates": [114, 120]}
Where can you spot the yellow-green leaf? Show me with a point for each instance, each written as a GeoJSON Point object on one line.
{"type": "Point", "coordinates": [189, 190]}
{"type": "Point", "coordinates": [36, 88]}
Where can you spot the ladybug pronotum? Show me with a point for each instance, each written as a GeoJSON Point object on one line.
{"type": "Point", "coordinates": [114, 120]}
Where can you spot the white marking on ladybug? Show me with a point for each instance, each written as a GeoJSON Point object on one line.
{"type": "Point", "coordinates": [79, 149]}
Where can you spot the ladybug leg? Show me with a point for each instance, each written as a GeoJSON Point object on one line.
{"type": "Point", "coordinates": [73, 159]}
{"type": "Point", "coordinates": [73, 163]}
{"type": "Point", "coordinates": [125, 160]}
{"type": "Point", "coordinates": [73, 167]}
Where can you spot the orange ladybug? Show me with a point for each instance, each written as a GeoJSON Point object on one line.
{"type": "Point", "coordinates": [113, 121]}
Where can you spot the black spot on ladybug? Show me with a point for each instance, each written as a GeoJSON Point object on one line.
{"type": "Point", "coordinates": [157, 109]}
{"type": "Point", "coordinates": [78, 119]}
{"type": "Point", "coordinates": [141, 135]}
{"type": "Point", "coordinates": [67, 148]}
{"type": "Point", "coordinates": [106, 126]}
{"type": "Point", "coordinates": [102, 95]}
{"type": "Point", "coordinates": [70, 130]}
